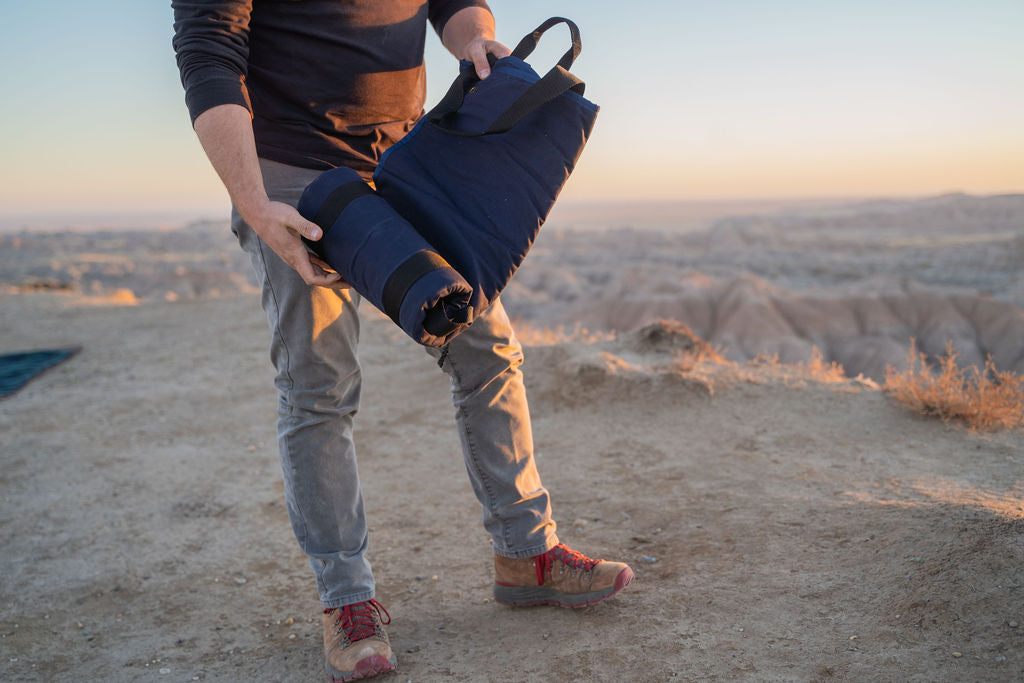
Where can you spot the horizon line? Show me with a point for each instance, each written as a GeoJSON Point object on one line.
{"type": "Point", "coordinates": [171, 218]}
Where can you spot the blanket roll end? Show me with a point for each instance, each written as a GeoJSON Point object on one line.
{"type": "Point", "coordinates": [427, 295]}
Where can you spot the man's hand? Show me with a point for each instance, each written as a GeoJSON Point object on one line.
{"type": "Point", "coordinates": [469, 35]}
{"type": "Point", "coordinates": [280, 227]}
{"type": "Point", "coordinates": [225, 132]}
{"type": "Point", "coordinates": [477, 50]}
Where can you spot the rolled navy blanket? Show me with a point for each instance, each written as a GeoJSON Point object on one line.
{"type": "Point", "coordinates": [385, 259]}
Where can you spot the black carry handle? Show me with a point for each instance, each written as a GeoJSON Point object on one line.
{"type": "Point", "coordinates": [555, 82]}
{"type": "Point", "coordinates": [528, 44]}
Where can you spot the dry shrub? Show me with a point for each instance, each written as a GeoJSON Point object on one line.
{"type": "Point", "coordinates": [686, 360]}
{"type": "Point", "coordinates": [705, 352]}
{"type": "Point", "coordinates": [532, 335]}
{"type": "Point", "coordinates": [765, 360]}
{"type": "Point", "coordinates": [679, 340]}
{"type": "Point", "coordinates": [672, 337]}
{"type": "Point", "coordinates": [984, 399]}
{"type": "Point", "coordinates": [822, 371]}
{"type": "Point", "coordinates": [814, 368]}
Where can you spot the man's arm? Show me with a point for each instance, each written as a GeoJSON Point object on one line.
{"type": "Point", "coordinates": [211, 40]}
{"type": "Point", "coordinates": [225, 132]}
{"type": "Point", "coordinates": [469, 35]}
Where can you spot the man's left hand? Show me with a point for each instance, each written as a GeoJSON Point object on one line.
{"type": "Point", "coordinates": [477, 51]}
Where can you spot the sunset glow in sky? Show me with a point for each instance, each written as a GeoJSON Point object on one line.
{"type": "Point", "coordinates": [731, 99]}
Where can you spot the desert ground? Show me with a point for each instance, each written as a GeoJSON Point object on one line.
{"type": "Point", "coordinates": [785, 524]}
{"type": "Point", "coordinates": [785, 521]}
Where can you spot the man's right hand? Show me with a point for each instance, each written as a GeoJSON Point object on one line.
{"type": "Point", "coordinates": [225, 131]}
{"type": "Point", "coordinates": [281, 227]}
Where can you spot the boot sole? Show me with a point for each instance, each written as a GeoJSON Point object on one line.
{"type": "Point", "coordinates": [365, 668]}
{"type": "Point", "coordinates": [533, 596]}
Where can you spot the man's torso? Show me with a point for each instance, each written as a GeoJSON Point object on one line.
{"type": "Point", "coordinates": [335, 81]}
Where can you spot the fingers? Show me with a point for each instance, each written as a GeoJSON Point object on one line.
{"type": "Point", "coordinates": [323, 265]}
{"type": "Point", "coordinates": [328, 280]}
{"type": "Point", "coordinates": [335, 279]}
{"type": "Point", "coordinates": [477, 52]}
{"type": "Point", "coordinates": [478, 55]}
{"type": "Point", "coordinates": [294, 220]}
{"type": "Point", "coordinates": [305, 228]}
{"type": "Point", "coordinates": [304, 267]}
{"type": "Point", "coordinates": [312, 273]}
{"type": "Point", "coordinates": [280, 229]}
{"type": "Point", "coordinates": [498, 49]}
{"type": "Point", "coordinates": [337, 283]}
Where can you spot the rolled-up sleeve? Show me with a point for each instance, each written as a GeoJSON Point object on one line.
{"type": "Point", "coordinates": [211, 42]}
{"type": "Point", "coordinates": [440, 11]}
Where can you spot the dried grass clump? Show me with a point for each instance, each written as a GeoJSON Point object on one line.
{"type": "Point", "coordinates": [765, 360]}
{"type": "Point", "coordinates": [685, 361]}
{"type": "Point", "coordinates": [671, 337]}
{"type": "Point", "coordinates": [816, 366]}
{"type": "Point", "coordinates": [984, 399]}
{"type": "Point", "coordinates": [532, 335]}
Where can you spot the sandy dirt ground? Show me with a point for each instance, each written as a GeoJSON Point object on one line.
{"type": "Point", "coordinates": [782, 527]}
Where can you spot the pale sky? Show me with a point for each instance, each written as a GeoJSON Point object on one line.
{"type": "Point", "coordinates": [700, 100]}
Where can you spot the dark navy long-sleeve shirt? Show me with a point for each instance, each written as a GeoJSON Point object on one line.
{"type": "Point", "coordinates": [328, 82]}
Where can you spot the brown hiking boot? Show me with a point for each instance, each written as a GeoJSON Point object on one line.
{"type": "Point", "coordinates": [561, 576]}
{"type": "Point", "coordinates": [356, 645]}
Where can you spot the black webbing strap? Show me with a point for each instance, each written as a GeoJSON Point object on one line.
{"type": "Point", "coordinates": [405, 276]}
{"type": "Point", "coordinates": [555, 82]}
{"type": "Point", "coordinates": [337, 200]}
{"type": "Point", "coordinates": [453, 99]}
{"type": "Point", "coordinates": [529, 43]}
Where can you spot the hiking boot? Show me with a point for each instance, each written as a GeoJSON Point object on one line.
{"type": "Point", "coordinates": [356, 645]}
{"type": "Point", "coordinates": [561, 576]}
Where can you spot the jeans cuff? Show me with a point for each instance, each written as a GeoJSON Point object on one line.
{"type": "Point", "coordinates": [347, 599]}
{"type": "Point", "coordinates": [531, 551]}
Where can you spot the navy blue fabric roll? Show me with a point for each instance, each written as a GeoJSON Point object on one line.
{"type": "Point", "coordinates": [478, 175]}
{"type": "Point", "coordinates": [385, 259]}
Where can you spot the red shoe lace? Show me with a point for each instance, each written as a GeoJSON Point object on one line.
{"type": "Point", "coordinates": [357, 620]}
{"type": "Point", "coordinates": [565, 555]}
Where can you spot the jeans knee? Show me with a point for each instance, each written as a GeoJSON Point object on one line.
{"type": "Point", "coordinates": [320, 403]}
{"type": "Point", "coordinates": [491, 373]}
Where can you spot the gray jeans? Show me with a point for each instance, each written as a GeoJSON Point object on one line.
{"type": "Point", "coordinates": [314, 333]}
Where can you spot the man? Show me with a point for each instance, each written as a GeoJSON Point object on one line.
{"type": "Point", "coordinates": [278, 91]}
